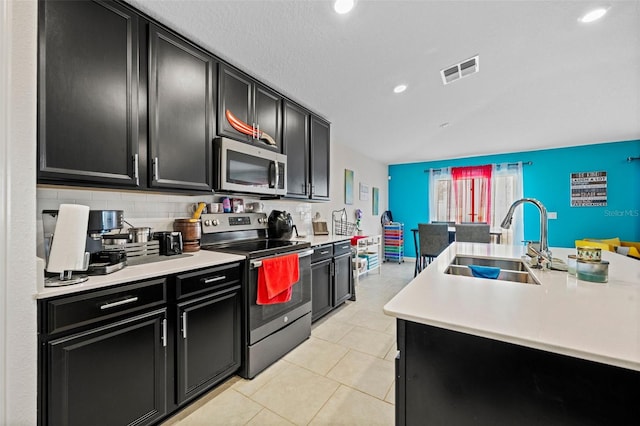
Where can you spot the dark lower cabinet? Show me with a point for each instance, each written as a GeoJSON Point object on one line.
{"type": "Point", "coordinates": [103, 356]}
{"type": "Point", "coordinates": [321, 294]}
{"type": "Point", "coordinates": [181, 125]}
{"type": "Point", "coordinates": [342, 279]}
{"type": "Point", "coordinates": [446, 377]}
{"type": "Point", "coordinates": [208, 345]}
{"type": "Point", "coordinates": [113, 375]}
{"type": "Point", "coordinates": [331, 278]}
{"type": "Point", "coordinates": [88, 93]}
{"type": "Point", "coordinates": [133, 354]}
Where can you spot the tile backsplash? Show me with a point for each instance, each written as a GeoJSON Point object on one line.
{"type": "Point", "coordinates": [151, 209]}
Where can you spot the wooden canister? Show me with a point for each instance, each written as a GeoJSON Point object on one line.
{"type": "Point", "coordinates": [191, 233]}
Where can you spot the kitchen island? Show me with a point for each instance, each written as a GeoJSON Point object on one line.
{"type": "Point", "coordinates": [480, 351]}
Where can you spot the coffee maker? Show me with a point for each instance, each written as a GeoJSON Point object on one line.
{"type": "Point", "coordinates": [100, 223]}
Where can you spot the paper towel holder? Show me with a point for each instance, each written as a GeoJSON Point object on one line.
{"type": "Point", "coordinates": [67, 253]}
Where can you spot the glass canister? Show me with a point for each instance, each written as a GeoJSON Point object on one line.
{"type": "Point", "coordinates": [589, 253]}
{"type": "Point", "coordinates": [594, 271]}
{"type": "Point", "coordinates": [572, 261]}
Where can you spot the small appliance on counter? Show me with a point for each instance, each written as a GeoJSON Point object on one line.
{"type": "Point", "coordinates": [99, 224]}
{"type": "Point", "coordinates": [170, 242]}
{"type": "Point", "coordinates": [280, 225]}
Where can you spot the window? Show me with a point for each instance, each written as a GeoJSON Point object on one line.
{"type": "Point", "coordinates": [477, 194]}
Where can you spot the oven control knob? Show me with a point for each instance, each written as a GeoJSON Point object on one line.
{"type": "Point", "coordinates": [207, 222]}
{"type": "Point", "coordinates": [286, 319]}
{"type": "Point", "coordinates": [262, 220]}
{"type": "Point", "coordinates": [215, 222]}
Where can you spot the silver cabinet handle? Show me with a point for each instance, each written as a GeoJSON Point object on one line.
{"type": "Point", "coordinates": [301, 254]}
{"type": "Point", "coordinates": [184, 325]}
{"type": "Point", "coordinates": [214, 279]}
{"type": "Point", "coordinates": [156, 175]}
{"type": "Point", "coordinates": [118, 303]}
{"type": "Point", "coordinates": [324, 252]}
{"type": "Point", "coordinates": [164, 332]}
{"type": "Point", "coordinates": [135, 169]}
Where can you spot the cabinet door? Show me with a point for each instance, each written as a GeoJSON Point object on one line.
{"type": "Point", "coordinates": [88, 94]}
{"type": "Point", "coordinates": [295, 144]}
{"type": "Point", "coordinates": [209, 341]}
{"type": "Point", "coordinates": [113, 375]}
{"type": "Point", "coordinates": [320, 167]}
{"type": "Point", "coordinates": [321, 296]}
{"type": "Point", "coordinates": [268, 116]}
{"type": "Point", "coordinates": [235, 98]}
{"type": "Point", "coordinates": [342, 279]}
{"type": "Point", "coordinates": [180, 113]}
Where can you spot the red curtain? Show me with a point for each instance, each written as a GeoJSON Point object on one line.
{"type": "Point", "coordinates": [472, 191]}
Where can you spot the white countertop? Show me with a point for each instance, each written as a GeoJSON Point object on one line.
{"type": "Point", "coordinates": [318, 240]}
{"type": "Point", "coordinates": [172, 265]}
{"type": "Point", "coordinates": [594, 321]}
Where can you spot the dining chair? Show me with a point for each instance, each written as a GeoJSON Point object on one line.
{"type": "Point", "coordinates": [434, 238]}
{"type": "Point", "coordinates": [473, 233]}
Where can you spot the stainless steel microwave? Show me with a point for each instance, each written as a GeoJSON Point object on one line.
{"type": "Point", "coordinates": [245, 168]}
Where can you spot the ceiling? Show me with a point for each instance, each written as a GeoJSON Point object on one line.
{"type": "Point", "coordinates": [545, 80]}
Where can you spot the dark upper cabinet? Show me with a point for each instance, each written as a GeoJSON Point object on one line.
{"type": "Point", "coordinates": [180, 113]}
{"type": "Point", "coordinates": [319, 161]}
{"type": "Point", "coordinates": [305, 141]}
{"type": "Point", "coordinates": [88, 93]}
{"type": "Point", "coordinates": [295, 142]}
{"type": "Point", "coordinates": [248, 111]}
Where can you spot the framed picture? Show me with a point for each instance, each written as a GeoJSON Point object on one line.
{"type": "Point", "coordinates": [348, 186]}
{"type": "Point", "coordinates": [364, 192]}
{"type": "Point", "coordinates": [375, 202]}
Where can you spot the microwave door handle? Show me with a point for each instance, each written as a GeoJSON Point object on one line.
{"type": "Point", "coordinates": [272, 177]}
{"type": "Point", "coordinates": [277, 175]}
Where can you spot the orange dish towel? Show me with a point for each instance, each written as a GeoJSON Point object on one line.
{"type": "Point", "coordinates": [276, 277]}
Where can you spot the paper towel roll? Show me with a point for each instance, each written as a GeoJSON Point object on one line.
{"type": "Point", "coordinates": [69, 239]}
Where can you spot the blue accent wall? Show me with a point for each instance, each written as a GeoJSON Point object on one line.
{"type": "Point", "coordinates": [548, 180]}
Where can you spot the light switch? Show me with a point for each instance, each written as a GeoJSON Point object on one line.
{"type": "Point", "coordinates": [552, 215]}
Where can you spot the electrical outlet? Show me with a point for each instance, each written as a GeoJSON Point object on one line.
{"type": "Point", "coordinates": [552, 215]}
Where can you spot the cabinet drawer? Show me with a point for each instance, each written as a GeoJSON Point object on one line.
{"type": "Point", "coordinates": [341, 247]}
{"type": "Point", "coordinates": [207, 280]}
{"type": "Point", "coordinates": [322, 253]}
{"type": "Point", "coordinates": [76, 311]}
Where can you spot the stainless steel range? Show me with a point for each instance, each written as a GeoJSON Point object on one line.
{"type": "Point", "coordinates": [269, 331]}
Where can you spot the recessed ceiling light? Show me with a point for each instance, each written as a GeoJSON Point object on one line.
{"type": "Point", "coordinates": [343, 6]}
{"type": "Point", "coordinates": [593, 15]}
{"type": "Point", "coordinates": [400, 88]}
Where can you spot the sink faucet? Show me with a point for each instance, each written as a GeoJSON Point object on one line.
{"type": "Point", "coordinates": [543, 255]}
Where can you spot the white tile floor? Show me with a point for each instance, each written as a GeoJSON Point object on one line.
{"type": "Point", "coordinates": [342, 375]}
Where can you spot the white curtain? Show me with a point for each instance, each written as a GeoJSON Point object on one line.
{"type": "Point", "coordinates": [507, 187]}
{"type": "Point", "coordinates": [441, 199]}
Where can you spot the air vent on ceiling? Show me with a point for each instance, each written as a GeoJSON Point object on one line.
{"type": "Point", "coordinates": [463, 69]}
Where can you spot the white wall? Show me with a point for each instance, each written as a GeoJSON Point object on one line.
{"type": "Point", "coordinates": [17, 227]}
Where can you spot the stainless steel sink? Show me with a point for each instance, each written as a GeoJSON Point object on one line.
{"type": "Point", "coordinates": [510, 270]}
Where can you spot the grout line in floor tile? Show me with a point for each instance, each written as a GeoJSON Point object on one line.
{"type": "Point", "coordinates": [326, 402]}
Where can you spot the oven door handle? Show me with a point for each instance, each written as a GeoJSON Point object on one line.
{"type": "Point", "coordinates": [258, 263]}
